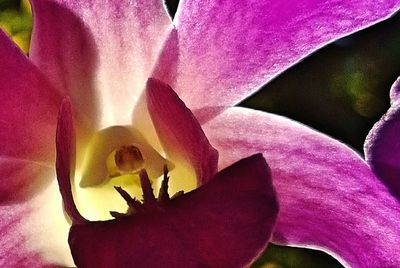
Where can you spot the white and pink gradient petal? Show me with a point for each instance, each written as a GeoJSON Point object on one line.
{"type": "Point", "coordinates": [100, 53]}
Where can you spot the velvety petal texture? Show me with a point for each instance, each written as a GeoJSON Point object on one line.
{"type": "Point", "coordinates": [382, 145]}
{"type": "Point", "coordinates": [191, 229]}
{"type": "Point", "coordinates": [230, 48]}
{"type": "Point", "coordinates": [179, 131]}
{"type": "Point", "coordinates": [100, 53]}
{"type": "Point", "coordinates": [28, 106]}
{"type": "Point", "coordinates": [329, 197]}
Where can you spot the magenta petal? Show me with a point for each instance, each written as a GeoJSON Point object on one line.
{"type": "Point", "coordinates": [65, 162]}
{"type": "Point", "coordinates": [27, 116]}
{"type": "Point", "coordinates": [329, 198]}
{"type": "Point", "coordinates": [100, 53]}
{"type": "Point", "coordinates": [229, 49]}
{"type": "Point", "coordinates": [382, 145]}
{"type": "Point", "coordinates": [179, 131]}
{"type": "Point", "coordinates": [225, 223]}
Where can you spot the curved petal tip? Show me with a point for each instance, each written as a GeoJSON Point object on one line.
{"type": "Point", "coordinates": [65, 159]}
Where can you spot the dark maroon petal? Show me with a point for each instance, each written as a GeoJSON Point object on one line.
{"type": "Point", "coordinates": [65, 161]}
{"type": "Point", "coordinates": [27, 119]}
{"type": "Point", "coordinates": [225, 223]}
{"type": "Point", "coordinates": [382, 145]}
{"type": "Point", "coordinates": [179, 131]}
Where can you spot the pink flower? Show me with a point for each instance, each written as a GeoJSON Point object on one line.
{"type": "Point", "coordinates": [101, 54]}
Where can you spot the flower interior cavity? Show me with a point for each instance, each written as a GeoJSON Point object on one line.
{"type": "Point", "coordinates": [129, 238]}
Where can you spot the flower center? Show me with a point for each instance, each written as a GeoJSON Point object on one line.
{"type": "Point", "coordinates": [129, 159]}
{"type": "Point", "coordinates": [114, 157]}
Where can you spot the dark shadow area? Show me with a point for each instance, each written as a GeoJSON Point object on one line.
{"type": "Point", "coordinates": [291, 257]}
{"type": "Point", "coordinates": [342, 89]}
{"type": "Point", "coordinates": [5, 4]}
{"type": "Point", "coordinates": [172, 5]}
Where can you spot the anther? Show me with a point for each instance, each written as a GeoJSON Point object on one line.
{"type": "Point", "coordinates": [129, 159]}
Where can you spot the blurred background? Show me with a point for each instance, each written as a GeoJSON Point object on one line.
{"type": "Point", "coordinates": [341, 90]}
{"type": "Point", "coordinates": [16, 20]}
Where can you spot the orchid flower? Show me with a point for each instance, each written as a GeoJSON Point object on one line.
{"type": "Point", "coordinates": [213, 54]}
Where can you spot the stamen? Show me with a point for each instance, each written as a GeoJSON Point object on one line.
{"type": "Point", "coordinates": [149, 200]}
{"type": "Point", "coordinates": [132, 202]}
{"type": "Point", "coordinates": [148, 194]}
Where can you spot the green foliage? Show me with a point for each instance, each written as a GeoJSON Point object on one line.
{"type": "Point", "coordinates": [16, 20]}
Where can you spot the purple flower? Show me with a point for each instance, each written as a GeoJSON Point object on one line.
{"type": "Point", "coordinates": [101, 54]}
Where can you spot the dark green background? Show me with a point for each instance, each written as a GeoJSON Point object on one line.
{"type": "Point", "coordinates": [341, 90]}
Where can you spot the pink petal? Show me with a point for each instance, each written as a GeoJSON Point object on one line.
{"type": "Point", "coordinates": [179, 132]}
{"type": "Point", "coordinates": [329, 198]}
{"type": "Point", "coordinates": [13, 250]}
{"type": "Point", "coordinates": [167, 62]}
{"type": "Point", "coordinates": [229, 49]}
{"type": "Point", "coordinates": [28, 121]}
{"type": "Point", "coordinates": [225, 223]}
{"type": "Point", "coordinates": [100, 53]}
{"type": "Point", "coordinates": [382, 145]}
